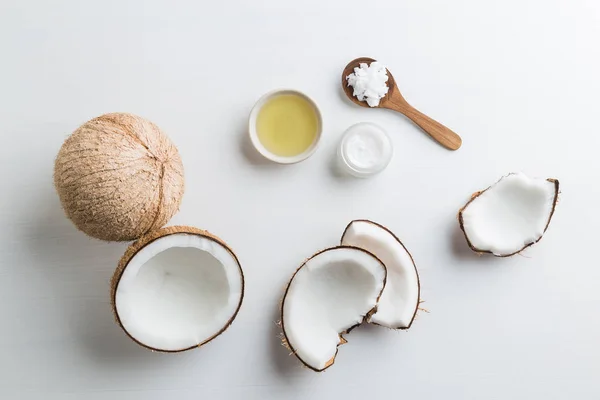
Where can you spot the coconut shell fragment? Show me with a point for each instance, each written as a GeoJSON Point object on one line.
{"type": "Point", "coordinates": [400, 299]}
{"type": "Point", "coordinates": [331, 293]}
{"type": "Point", "coordinates": [509, 216]}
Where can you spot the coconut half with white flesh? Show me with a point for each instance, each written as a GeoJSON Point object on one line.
{"type": "Point", "coordinates": [176, 289]}
{"type": "Point", "coordinates": [399, 301]}
{"type": "Point", "coordinates": [510, 215]}
{"type": "Point", "coordinates": [332, 292]}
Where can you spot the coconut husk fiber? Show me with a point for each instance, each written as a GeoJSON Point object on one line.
{"type": "Point", "coordinates": [119, 177]}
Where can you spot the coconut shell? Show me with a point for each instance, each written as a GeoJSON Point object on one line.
{"type": "Point", "coordinates": [119, 177]}
{"type": "Point", "coordinates": [527, 245]}
{"type": "Point", "coordinates": [411, 258]}
{"type": "Point", "coordinates": [343, 340]}
{"type": "Point", "coordinates": [134, 248]}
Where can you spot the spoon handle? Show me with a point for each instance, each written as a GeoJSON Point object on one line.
{"type": "Point", "coordinates": [437, 131]}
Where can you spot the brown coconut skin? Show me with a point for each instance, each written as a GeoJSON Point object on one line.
{"type": "Point", "coordinates": [119, 177]}
{"type": "Point", "coordinates": [134, 248]}
{"type": "Point", "coordinates": [411, 259]}
{"type": "Point", "coordinates": [477, 194]}
{"type": "Point", "coordinates": [343, 340]}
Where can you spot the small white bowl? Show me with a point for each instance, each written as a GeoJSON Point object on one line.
{"type": "Point", "coordinates": [254, 135]}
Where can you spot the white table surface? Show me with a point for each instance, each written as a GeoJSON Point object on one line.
{"type": "Point", "coordinates": [518, 79]}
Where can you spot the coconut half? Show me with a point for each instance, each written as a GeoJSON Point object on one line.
{"type": "Point", "coordinates": [176, 289]}
{"type": "Point", "coordinates": [331, 293]}
{"type": "Point", "coordinates": [510, 215]}
{"type": "Point", "coordinates": [399, 301]}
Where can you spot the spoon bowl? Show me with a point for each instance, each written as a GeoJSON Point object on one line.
{"type": "Point", "coordinates": [394, 100]}
{"type": "Point", "coordinates": [349, 90]}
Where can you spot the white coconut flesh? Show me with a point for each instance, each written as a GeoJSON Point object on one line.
{"type": "Point", "coordinates": [329, 294]}
{"type": "Point", "coordinates": [510, 215]}
{"type": "Point", "coordinates": [400, 299]}
{"type": "Point", "coordinates": [178, 292]}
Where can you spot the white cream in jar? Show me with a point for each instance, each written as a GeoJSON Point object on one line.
{"type": "Point", "coordinates": [365, 150]}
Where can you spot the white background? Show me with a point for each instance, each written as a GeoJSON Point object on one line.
{"type": "Point", "coordinates": [517, 79]}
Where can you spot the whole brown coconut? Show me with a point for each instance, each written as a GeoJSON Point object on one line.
{"type": "Point", "coordinates": [118, 177]}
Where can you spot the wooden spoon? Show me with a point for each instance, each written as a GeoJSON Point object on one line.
{"type": "Point", "coordinates": [394, 100]}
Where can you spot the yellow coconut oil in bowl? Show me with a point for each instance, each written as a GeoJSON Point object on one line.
{"type": "Point", "coordinates": [285, 126]}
